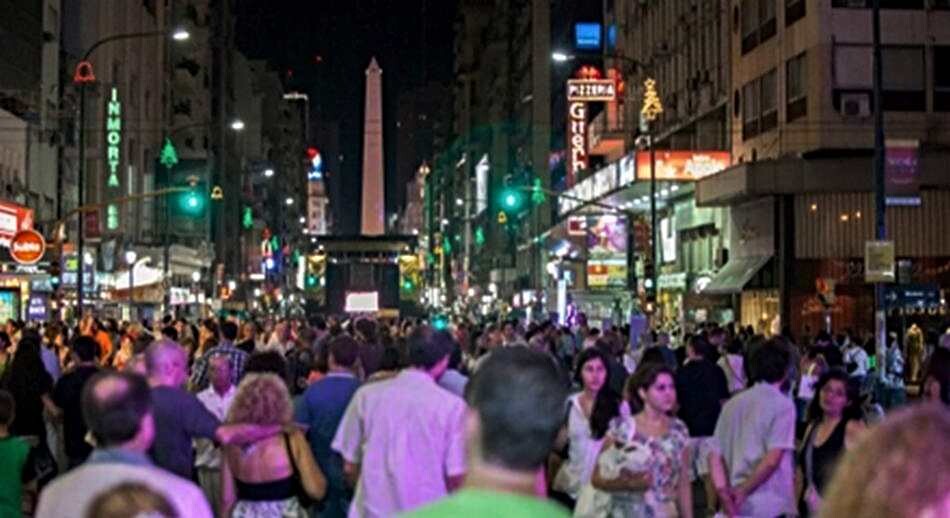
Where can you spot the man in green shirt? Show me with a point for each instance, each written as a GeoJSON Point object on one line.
{"type": "Point", "coordinates": [15, 466]}
{"type": "Point", "coordinates": [516, 406]}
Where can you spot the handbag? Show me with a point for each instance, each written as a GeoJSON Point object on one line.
{"type": "Point", "coordinates": [302, 496]}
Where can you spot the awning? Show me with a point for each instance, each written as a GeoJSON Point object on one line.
{"type": "Point", "coordinates": [735, 275]}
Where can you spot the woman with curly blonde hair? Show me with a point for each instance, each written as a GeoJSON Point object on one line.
{"type": "Point", "coordinates": [276, 476]}
{"type": "Point", "coordinates": [898, 470]}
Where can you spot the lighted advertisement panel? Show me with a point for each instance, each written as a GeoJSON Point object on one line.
{"type": "Point", "coordinates": [682, 166]}
{"type": "Point", "coordinates": [606, 252]}
{"type": "Point", "coordinates": [9, 304]}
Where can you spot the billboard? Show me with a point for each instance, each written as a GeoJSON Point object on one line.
{"type": "Point", "coordinates": [606, 252]}
{"type": "Point", "coordinates": [901, 172]}
{"type": "Point", "coordinates": [481, 184]}
{"type": "Point", "coordinates": [682, 166]}
{"type": "Point", "coordinates": [13, 218]}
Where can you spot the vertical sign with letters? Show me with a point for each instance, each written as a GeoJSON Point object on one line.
{"type": "Point", "coordinates": [577, 159]}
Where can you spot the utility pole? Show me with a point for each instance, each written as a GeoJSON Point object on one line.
{"type": "Point", "coordinates": [880, 222]}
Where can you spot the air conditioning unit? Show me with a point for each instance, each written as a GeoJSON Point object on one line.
{"type": "Point", "coordinates": [855, 105]}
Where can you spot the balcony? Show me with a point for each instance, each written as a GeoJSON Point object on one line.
{"type": "Point", "coordinates": [606, 133]}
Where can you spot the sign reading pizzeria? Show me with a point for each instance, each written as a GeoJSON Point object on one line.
{"type": "Point", "coordinates": [27, 247]}
{"type": "Point", "coordinates": [591, 90]}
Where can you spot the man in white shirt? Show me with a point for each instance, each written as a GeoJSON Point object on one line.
{"type": "Point", "coordinates": [402, 440]}
{"type": "Point", "coordinates": [117, 407]}
{"type": "Point", "coordinates": [217, 399]}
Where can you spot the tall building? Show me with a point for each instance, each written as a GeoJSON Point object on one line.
{"type": "Point", "coordinates": [801, 191]}
{"type": "Point", "coordinates": [502, 120]}
{"type": "Point", "coordinates": [29, 96]}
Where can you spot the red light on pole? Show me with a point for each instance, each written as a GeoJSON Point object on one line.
{"type": "Point", "coordinates": [312, 153]}
{"type": "Point", "coordinates": [84, 73]}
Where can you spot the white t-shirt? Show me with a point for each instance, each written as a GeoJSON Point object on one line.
{"type": "Point", "coordinates": [407, 435]}
{"type": "Point", "coordinates": [206, 454]}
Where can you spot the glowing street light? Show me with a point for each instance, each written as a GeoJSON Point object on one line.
{"type": "Point", "coordinates": [181, 34]}
{"type": "Point", "coordinates": [268, 172]}
{"type": "Point", "coordinates": [561, 57]}
{"type": "Point", "coordinates": [196, 276]}
{"type": "Point", "coordinates": [289, 201]}
{"type": "Point", "coordinates": [237, 125]}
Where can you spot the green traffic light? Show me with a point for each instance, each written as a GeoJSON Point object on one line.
{"type": "Point", "coordinates": [407, 285]}
{"type": "Point", "coordinates": [192, 203]}
{"type": "Point", "coordinates": [511, 201]}
{"type": "Point", "coordinates": [311, 280]}
{"type": "Point", "coordinates": [440, 322]}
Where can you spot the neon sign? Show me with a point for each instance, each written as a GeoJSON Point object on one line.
{"type": "Point", "coordinates": [113, 136]}
{"type": "Point", "coordinates": [576, 139]}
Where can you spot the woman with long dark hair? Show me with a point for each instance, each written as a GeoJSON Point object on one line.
{"type": "Point", "coordinates": [31, 385]}
{"type": "Point", "coordinates": [834, 420]}
{"type": "Point", "coordinates": [643, 465]}
{"type": "Point", "coordinates": [589, 414]}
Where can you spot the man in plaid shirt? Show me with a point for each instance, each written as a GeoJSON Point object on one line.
{"type": "Point", "coordinates": [237, 358]}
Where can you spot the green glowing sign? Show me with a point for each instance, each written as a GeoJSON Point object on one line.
{"type": "Point", "coordinates": [112, 217]}
{"type": "Point", "coordinates": [168, 156]}
{"type": "Point", "coordinates": [113, 137]}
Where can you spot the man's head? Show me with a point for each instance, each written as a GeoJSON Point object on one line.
{"type": "Point", "coordinates": [7, 408]}
{"type": "Point", "coordinates": [717, 337]}
{"type": "Point", "coordinates": [427, 353]}
{"type": "Point", "coordinates": [167, 363]}
{"type": "Point", "coordinates": [769, 363]}
{"type": "Point", "coordinates": [85, 349]}
{"type": "Point", "coordinates": [117, 407]}
{"type": "Point", "coordinates": [343, 352]}
{"type": "Point", "coordinates": [170, 333]}
{"type": "Point", "coordinates": [219, 372]}
{"type": "Point", "coordinates": [366, 330]}
{"type": "Point", "coordinates": [229, 330]}
{"type": "Point", "coordinates": [516, 407]}
{"type": "Point", "coordinates": [248, 330]}
{"type": "Point", "coordinates": [697, 348]}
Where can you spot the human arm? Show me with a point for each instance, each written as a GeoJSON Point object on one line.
{"type": "Point", "coordinates": [720, 480]}
{"type": "Point", "coordinates": [627, 481]}
{"type": "Point", "coordinates": [685, 488]}
{"type": "Point", "coordinates": [228, 496]}
{"type": "Point", "coordinates": [312, 479]}
{"type": "Point", "coordinates": [348, 441]}
{"type": "Point", "coordinates": [244, 433]}
{"type": "Point", "coordinates": [351, 473]}
{"type": "Point", "coordinates": [762, 471]}
{"type": "Point", "coordinates": [455, 465]}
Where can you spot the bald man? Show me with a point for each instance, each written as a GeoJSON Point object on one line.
{"type": "Point", "coordinates": [180, 417]}
{"type": "Point", "coordinates": [118, 410]}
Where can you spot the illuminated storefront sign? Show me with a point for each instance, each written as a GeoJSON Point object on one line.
{"type": "Point", "coordinates": [481, 184]}
{"type": "Point", "coordinates": [591, 90]}
{"type": "Point", "coordinates": [682, 166]}
{"type": "Point", "coordinates": [606, 252]}
{"type": "Point", "coordinates": [113, 136]}
{"type": "Point", "coordinates": [576, 140]}
{"type": "Point", "coordinates": [13, 218]}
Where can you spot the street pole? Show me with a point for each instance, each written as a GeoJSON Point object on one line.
{"type": "Point", "coordinates": [880, 223]}
{"type": "Point", "coordinates": [653, 258]}
{"type": "Point", "coordinates": [131, 285]}
{"type": "Point", "coordinates": [81, 187]}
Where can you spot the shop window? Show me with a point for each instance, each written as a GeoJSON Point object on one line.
{"type": "Point", "coordinates": [796, 81]}
{"type": "Point", "coordinates": [941, 71]}
{"type": "Point", "coordinates": [904, 79]}
{"type": "Point", "coordinates": [794, 11]}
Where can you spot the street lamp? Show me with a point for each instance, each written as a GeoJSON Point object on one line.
{"type": "Point", "coordinates": [561, 57]}
{"type": "Point", "coordinates": [237, 125]}
{"type": "Point", "coordinates": [130, 257]}
{"type": "Point", "coordinates": [181, 34]}
{"type": "Point", "coordinates": [268, 172]}
{"type": "Point", "coordinates": [289, 201]}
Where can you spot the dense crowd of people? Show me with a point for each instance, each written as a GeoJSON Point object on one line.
{"type": "Point", "coordinates": [377, 418]}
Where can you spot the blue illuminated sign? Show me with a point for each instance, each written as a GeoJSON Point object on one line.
{"type": "Point", "coordinates": [587, 36]}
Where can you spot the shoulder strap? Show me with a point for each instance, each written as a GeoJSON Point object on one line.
{"type": "Point", "coordinates": [809, 454]}
{"type": "Point", "coordinates": [290, 455]}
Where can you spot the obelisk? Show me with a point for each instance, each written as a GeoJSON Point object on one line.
{"type": "Point", "coordinates": [373, 221]}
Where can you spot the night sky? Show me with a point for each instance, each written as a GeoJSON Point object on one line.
{"type": "Point", "coordinates": [328, 45]}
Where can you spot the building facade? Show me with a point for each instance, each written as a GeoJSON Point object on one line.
{"type": "Point", "coordinates": [802, 140]}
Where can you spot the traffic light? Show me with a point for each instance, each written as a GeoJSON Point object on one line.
{"type": "Point", "coordinates": [440, 322]}
{"type": "Point", "coordinates": [191, 203]}
{"type": "Point", "coordinates": [315, 277]}
{"type": "Point", "coordinates": [511, 200]}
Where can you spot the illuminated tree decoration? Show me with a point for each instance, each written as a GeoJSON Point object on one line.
{"type": "Point", "coordinates": [652, 106]}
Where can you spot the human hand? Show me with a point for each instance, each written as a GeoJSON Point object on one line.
{"type": "Point", "coordinates": [636, 481]}
{"type": "Point", "coordinates": [739, 495]}
{"type": "Point", "coordinates": [727, 502]}
{"type": "Point", "coordinates": [812, 500]}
